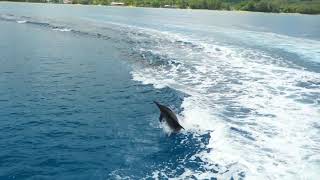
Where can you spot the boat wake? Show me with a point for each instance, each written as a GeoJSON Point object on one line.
{"type": "Point", "coordinates": [261, 110]}
{"type": "Point", "coordinates": [249, 113]}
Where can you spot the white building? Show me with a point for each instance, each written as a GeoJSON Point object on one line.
{"type": "Point", "coordinates": [67, 1]}
{"type": "Point", "coordinates": [117, 4]}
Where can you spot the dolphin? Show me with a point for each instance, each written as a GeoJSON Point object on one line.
{"type": "Point", "coordinates": [171, 119]}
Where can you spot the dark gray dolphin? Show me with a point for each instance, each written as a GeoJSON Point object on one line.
{"type": "Point", "coordinates": [171, 119]}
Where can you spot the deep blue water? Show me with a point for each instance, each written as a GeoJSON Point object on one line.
{"type": "Point", "coordinates": [77, 85]}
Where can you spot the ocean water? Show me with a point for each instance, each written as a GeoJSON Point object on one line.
{"type": "Point", "coordinates": [77, 85]}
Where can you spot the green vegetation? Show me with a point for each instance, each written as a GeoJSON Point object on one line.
{"type": "Point", "coordinates": [286, 6]}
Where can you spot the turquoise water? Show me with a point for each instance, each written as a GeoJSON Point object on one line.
{"type": "Point", "coordinates": [77, 85]}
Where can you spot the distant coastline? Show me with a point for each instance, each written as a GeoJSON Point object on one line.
{"type": "Point", "coordinates": [272, 6]}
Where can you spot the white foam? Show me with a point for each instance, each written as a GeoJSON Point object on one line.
{"type": "Point", "coordinates": [303, 47]}
{"type": "Point", "coordinates": [21, 21]}
{"type": "Point", "coordinates": [306, 48]}
{"type": "Point", "coordinates": [62, 29]}
{"type": "Point", "coordinates": [278, 125]}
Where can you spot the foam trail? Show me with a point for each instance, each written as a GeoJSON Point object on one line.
{"type": "Point", "coordinates": [305, 48]}
{"type": "Point", "coordinates": [259, 117]}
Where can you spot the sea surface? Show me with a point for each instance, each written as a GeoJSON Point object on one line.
{"type": "Point", "coordinates": [77, 85]}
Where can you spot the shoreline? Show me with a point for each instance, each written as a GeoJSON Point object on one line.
{"type": "Point", "coordinates": [130, 6]}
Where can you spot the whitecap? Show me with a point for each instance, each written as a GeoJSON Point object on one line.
{"type": "Point", "coordinates": [62, 29]}
{"type": "Point", "coordinates": [21, 21]}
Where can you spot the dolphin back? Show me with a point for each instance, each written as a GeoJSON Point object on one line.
{"type": "Point", "coordinates": [170, 117]}
{"type": "Point", "coordinates": [157, 103]}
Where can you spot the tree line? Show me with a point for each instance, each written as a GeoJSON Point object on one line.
{"type": "Point", "coordinates": [286, 6]}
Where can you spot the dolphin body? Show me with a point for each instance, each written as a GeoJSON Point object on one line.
{"type": "Point", "coordinates": [169, 116]}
